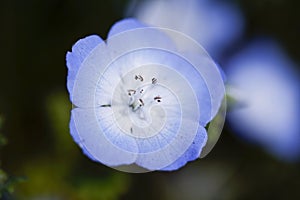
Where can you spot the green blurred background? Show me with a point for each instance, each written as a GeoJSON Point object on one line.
{"type": "Point", "coordinates": [35, 36]}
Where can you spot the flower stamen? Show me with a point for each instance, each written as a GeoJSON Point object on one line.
{"type": "Point", "coordinates": [154, 80]}
{"type": "Point", "coordinates": [142, 102]}
{"type": "Point", "coordinates": [158, 99]}
{"type": "Point", "coordinates": [139, 77]}
{"type": "Point", "coordinates": [106, 105]}
{"type": "Point", "coordinates": [131, 92]}
{"type": "Point", "coordinates": [138, 99]}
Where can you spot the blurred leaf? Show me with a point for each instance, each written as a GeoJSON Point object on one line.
{"type": "Point", "coordinates": [50, 177]}
{"type": "Point", "coordinates": [110, 188]}
{"type": "Point", "coordinates": [58, 109]}
{"type": "Point", "coordinates": [47, 176]}
{"type": "Point", "coordinates": [10, 183]}
{"type": "Point", "coordinates": [3, 177]}
{"type": "Point", "coordinates": [3, 140]}
{"type": "Point", "coordinates": [7, 183]}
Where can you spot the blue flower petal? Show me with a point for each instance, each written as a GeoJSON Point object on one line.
{"type": "Point", "coordinates": [159, 141]}
{"type": "Point", "coordinates": [211, 85]}
{"type": "Point", "coordinates": [99, 59]}
{"type": "Point", "coordinates": [138, 38]}
{"type": "Point", "coordinates": [164, 157]}
{"type": "Point", "coordinates": [125, 25]}
{"type": "Point", "coordinates": [95, 143]}
{"type": "Point", "coordinates": [192, 153]}
{"type": "Point", "coordinates": [112, 132]}
{"type": "Point", "coordinates": [76, 137]}
{"type": "Point", "coordinates": [83, 94]}
{"type": "Point", "coordinates": [74, 59]}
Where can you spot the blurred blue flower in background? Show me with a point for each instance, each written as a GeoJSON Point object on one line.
{"type": "Point", "coordinates": [265, 84]}
{"type": "Point", "coordinates": [140, 98]}
{"type": "Point", "coordinates": [214, 24]}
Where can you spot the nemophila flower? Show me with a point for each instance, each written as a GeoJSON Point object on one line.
{"type": "Point", "coordinates": [214, 24]}
{"type": "Point", "coordinates": [263, 80]}
{"type": "Point", "coordinates": [140, 100]}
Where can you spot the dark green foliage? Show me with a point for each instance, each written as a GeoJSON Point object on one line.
{"type": "Point", "coordinates": [7, 183]}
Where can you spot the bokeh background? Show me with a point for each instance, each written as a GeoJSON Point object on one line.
{"type": "Point", "coordinates": [35, 111]}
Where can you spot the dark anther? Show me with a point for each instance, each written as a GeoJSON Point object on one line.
{"type": "Point", "coordinates": [130, 92]}
{"type": "Point", "coordinates": [141, 78]}
{"type": "Point", "coordinates": [142, 102]}
{"type": "Point", "coordinates": [106, 105]}
{"type": "Point", "coordinates": [154, 80]}
{"type": "Point", "coordinates": [138, 77]}
{"type": "Point", "coordinates": [158, 98]}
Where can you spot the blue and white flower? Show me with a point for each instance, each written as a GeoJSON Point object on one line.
{"type": "Point", "coordinates": [264, 82]}
{"type": "Point", "coordinates": [140, 99]}
{"type": "Point", "coordinates": [214, 24]}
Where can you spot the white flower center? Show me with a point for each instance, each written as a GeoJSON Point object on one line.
{"type": "Point", "coordinates": [145, 101]}
{"type": "Point", "coordinates": [136, 96]}
{"type": "Point", "coordinates": [140, 111]}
